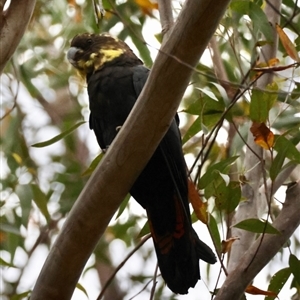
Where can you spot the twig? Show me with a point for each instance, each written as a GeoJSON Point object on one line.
{"type": "Point", "coordinates": [111, 278]}
{"type": "Point", "coordinates": [141, 289]}
{"type": "Point", "coordinates": [166, 16]}
{"type": "Point", "coordinates": [15, 97]}
{"type": "Point", "coordinates": [154, 283]}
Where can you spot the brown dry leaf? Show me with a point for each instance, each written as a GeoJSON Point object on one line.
{"type": "Point", "coordinates": [273, 62]}
{"type": "Point", "coordinates": [226, 245]}
{"type": "Point", "coordinates": [199, 207]}
{"type": "Point", "coordinates": [263, 136]}
{"type": "Point", "coordinates": [78, 15]}
{"type": "Point", "coordinates": [264, 67]}
{"type": "Point", "coordinates": [256, 291]}
{"type": "Point", "coordinates": [287, 44]}
{"type": "Point", "coordinates": [2, 236]}
{"type": "Point", "coordinates": [78, 12]}
{"type": "Point", "coordinates": [146, 6]}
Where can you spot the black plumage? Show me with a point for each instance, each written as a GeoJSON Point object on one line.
{"type": "Point", "coordinates": [115, 78]}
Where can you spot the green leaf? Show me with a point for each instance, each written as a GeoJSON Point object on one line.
{"type": "Point", "coordinates": [21, 296]}
{"type": "Point", "coordinates": [277, 281]}
{"type": "Point", "coordinates": [262, 102]}
{"type": "Point", "coordinates": [13, 240]}
{"type": "Point", "coordinates": [221, 91]}
{"type": "Point", "coordinates": [9, 228]}
{"type": "Point", "coordinates": [205, 105]}
{"type": "Point", "coordinates": [145, 230]}
{"type": "Point", "coordinates": [93, 165]}
{"type": "Point", "coordinates": [58, 137]}
{"type": "Point", "coordinates": [277, 163]}
{"type": "Point", "coordinates": [228, 197]}
{"type": "Point", "coordinates": [294, 264]}
{"type": "Point", "coordinates": [257, 226]}
{"type": "Point", "coordinates": [214, 232]}
{"type": "Point", "coordinates": [282, 144]}
{"type": "Point", "coordinates": [256, 14]}
{"type": "Point", "coordinates": [215, 183]}
{"type": "Point", "coordinates": [193, 130]}
{"type": "Point", "coordinates": [5, 263]}
{"type": "Point", "coordinates": [140, 45]}
{"type": "Point", "coordinates": [123, 206]}
{"type": "Point", "coordinates": [40, 200]}
{"type": "Point", "coordinates": [24, 193]}
{"type": "Point", "coordinates": [208, 93]}
{"type": "Point", "coordinates": [221, 167]}
{"type": "Point", "coordinates": [209, 111]}
{"type": "Point", "coordinates": [81, 288]}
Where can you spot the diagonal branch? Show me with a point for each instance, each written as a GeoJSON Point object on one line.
{"type": "Point", "coordinates": [286, 223]}
{"type": "Point", "coordinates": [130, 151]}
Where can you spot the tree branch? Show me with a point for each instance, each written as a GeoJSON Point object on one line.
{"type": "Point", "coordinates": [286, 223]}
{"type": "Point", "coordinates": [130, 151]}
{"type": "Point", "coordinates": [13, 24]}
{"type": "Point", "coordinates": [166, 16]}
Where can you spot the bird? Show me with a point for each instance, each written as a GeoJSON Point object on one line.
{"type": "Point", "coordinates": [115, 77]}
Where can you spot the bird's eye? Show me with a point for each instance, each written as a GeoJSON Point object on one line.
{"type": "Point", "coordinates": [89, 41]}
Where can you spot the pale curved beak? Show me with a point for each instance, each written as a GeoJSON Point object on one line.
{"type": "Point", "coordinates": [71, 55]}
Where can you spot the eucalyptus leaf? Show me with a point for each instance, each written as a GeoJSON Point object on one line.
{"type": "Point", "coordinates": [40, 200]}
{"type": "Point", "coordinates": [294, 263]}
{"type": "Point", "coordinates": [58, 137]}
{"type": "Point", "coordinates": [81, 288]}
{"type": "Point", "coordinates": [277, 281]}
{"type": "Point", "coordinates": [257, 226]}
{"type": "Point", "coordinates": [214, 232]}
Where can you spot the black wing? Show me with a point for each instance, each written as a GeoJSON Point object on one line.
{"type": "Point", "coordinates": [113, 92]}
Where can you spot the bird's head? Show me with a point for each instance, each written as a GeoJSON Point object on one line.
{"type": "Point", "coordinates": [90, 52]}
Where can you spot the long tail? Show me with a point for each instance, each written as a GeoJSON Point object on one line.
{"type": "Point", "coordinates": [178, 250]}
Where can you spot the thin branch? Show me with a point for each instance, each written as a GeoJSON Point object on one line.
{"type": "Point", "coordinates": [219, 69]}
{"type": "Point", "coordinates": [152, 294]}
{"type": "Point", "coordinates": [166, 16]}
{"type": "Point", "coordinates": [143, 289]}
{"type": "Point", "coordinates": [111, 278]}
{"type": "Point", "coordinates": [286, 223]}
{"type": "Point", "coordinates": [15, 96]}
{"type": "Point", "coordinates": [130, 151]}
{"type": "Point", "coordinates": [272, 186]}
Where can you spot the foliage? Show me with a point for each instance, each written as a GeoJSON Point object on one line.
{"type": "Point", "coordinates": [44, 101]}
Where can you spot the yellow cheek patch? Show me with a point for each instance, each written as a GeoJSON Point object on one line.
{"type": "Point", "coordinates": [110, 54]}
{"type": "Point", "coordinates": [96, 60]}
